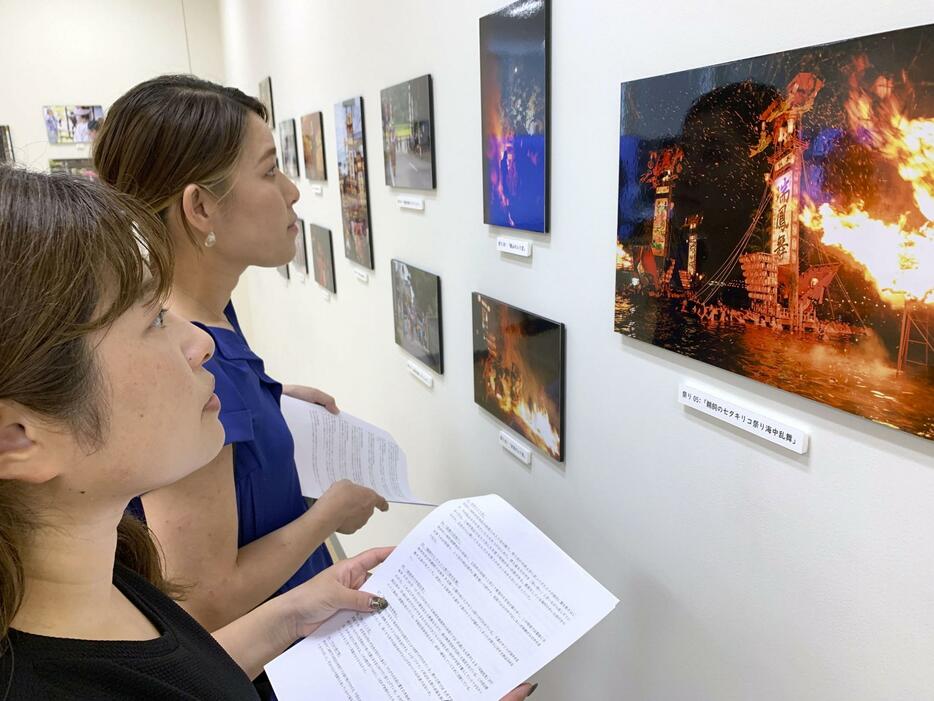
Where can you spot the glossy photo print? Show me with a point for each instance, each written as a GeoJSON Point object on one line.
{"type": "Point", "coordinates": [514, 75]}
{"type": "Point", "coordinates": [6, 145]}
{"type": "Point", "coordinates": [322, 257]}
{"type": "Point", "coordinates": [518, 371]}
{"type": "Point", "coordinates": [265, 96]}
{"type": "Point", "coordinates": [313, 146]}
{"type": "Point", "coordinates": [289, 148]}
{"type": "Point", "coordinates": [416, 311]}
{"type": "Point", "coordinates": [408, 134]}
{"type": "Point", "coordinates": [776, 219]}
{"type": "Point", "coordinates": [74, 166]}
{"type": "Point", "coordinates": [71, 124]}
{"type": "Point", "coordinates": [351, 173]}
{"type": "Point", "coordinates": [300, 260]}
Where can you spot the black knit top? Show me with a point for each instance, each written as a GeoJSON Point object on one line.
{"type": "Point", "coordinates": [184, 662]}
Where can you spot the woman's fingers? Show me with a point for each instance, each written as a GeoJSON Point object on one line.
{"type": "Point", "coordinates": [369, 559]}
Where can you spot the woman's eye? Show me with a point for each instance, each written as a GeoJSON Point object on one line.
{"type": "Point", "coordinates": [271, 173]}
{"type": "Point", "coordinates": [159, 321]}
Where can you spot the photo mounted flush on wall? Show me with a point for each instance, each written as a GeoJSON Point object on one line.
{"type": "Point", "coordinates": [322, 257]}
{"type": "Point", "coordinates": [313, 146]}
{"type": "Point", "coordinates": [776, 219]}
{"type": "Point", "coordinates": [518, 370]}
{"type": "Point", "coordinates": [265, 96]}
{"type": "Point", "coordinates": [83, 167]}
{"type": "Point", "coordinates": [514, 87]}
{"type": "Point", "coordinates": [6, 145]}
{"type": "Point", "coordinates": [408, 134]}
{"type": "Point", "coordinates": [416, 311]}
{"type": "Point", "coordinates": [289, 148]}
{"type": "Point", "coordinates": [70, 124]}
{"type": "Point", "coordinates": [300, 260]}
{"type": "Point", "coordinates": [352, 176]}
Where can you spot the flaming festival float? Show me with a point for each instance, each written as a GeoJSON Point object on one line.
{"type": "Point", "coordinates": [776, 218]}
{"type": "Point", "coordinates": [519, 371]}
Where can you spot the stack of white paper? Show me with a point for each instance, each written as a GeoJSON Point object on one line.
{"type": "Point", "coordinates": [479, 600]}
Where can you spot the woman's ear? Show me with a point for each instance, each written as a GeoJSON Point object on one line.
{"type": "Point", "coordinates": [22, 456]}
{"type": "Point", "coordinates": [199, 207]}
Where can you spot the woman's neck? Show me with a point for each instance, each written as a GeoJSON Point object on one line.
{"type": "Point", "coordinates": [202, 286]}
{"type": "Point", "coordinates": [69, 589]}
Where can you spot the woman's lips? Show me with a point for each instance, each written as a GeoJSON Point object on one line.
{"type": "Point", "coordinates": [213, 404]}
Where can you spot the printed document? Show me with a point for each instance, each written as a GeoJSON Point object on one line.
{"type": "Point", "coordinates": [479, 600]}
{"type": "Point", "coordinates": [330, 448]}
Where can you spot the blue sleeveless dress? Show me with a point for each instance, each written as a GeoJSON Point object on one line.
{"type": "Point", "coordinates": [266, 479]}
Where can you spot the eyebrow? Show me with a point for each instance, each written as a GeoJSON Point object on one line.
{"type": "Point", "coordinates": [269, 153]}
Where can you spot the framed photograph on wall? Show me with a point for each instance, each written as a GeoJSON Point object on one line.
{"type": "Point", "coordinates": [416, 311]}
{"type": "Point", "coordinates": [352, 176]}
{"type": "Point", "coordinates": [70, 124]}
{"type": "Point", "coordinates": [514, 92]}
{"type": "Point", "coordinates": [300, 260]}
{"type": "Point", "coordinates": [776, 219]}
{"type": "Point", "coordinates": [6, 145]}
{"type": "Point", "coordinates": [518, 370]}
{"type": "Point", "coordinates": [322, 257]}
{"type": "Point", "coordinates": [408, 134]}
{"type": "Point", "coordinates": [313, 146]}
{"type": "Point", "coordinates": [265, 96]}
{"type": "Point", "coordinates": [289, 146]}
{"type": "Point", "coordinates": [83, 167]}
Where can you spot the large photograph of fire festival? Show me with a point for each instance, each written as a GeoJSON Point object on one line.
{"type": "Point", "coordinates": [776, 219]}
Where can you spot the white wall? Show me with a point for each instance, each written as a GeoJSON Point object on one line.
{"type": "Point", "coordinates": [55, 52]}
{"type": "Point", "coordinates": [744, 572]}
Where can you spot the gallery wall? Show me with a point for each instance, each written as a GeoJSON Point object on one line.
{"type": "Point", "coordinates": [744, 571]}
{"type": "Point", "coordinates": [56, 52]}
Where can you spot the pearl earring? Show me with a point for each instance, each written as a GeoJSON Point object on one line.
{"type": "Point", "coordinates": [210, 240]}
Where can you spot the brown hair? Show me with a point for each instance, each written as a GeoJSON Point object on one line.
{"type": "Point", "coordinates": [171, 132]}
{"type": "Point", "coordinates": [74, 256]}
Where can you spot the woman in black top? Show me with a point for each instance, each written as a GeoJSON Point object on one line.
{"type": "Point", "coordinates": [103, 397]}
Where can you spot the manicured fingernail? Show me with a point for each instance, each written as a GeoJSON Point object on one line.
{"type": "Point", "coordinates": [378, 603]}
{"type": "Point", "coordinates": [532, 690]}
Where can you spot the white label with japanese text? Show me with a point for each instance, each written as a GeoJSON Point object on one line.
{"type": "Point", "coordinates": [517, 247]}
{"type": "Point", "coordinates": [766, 427]}
{"type": "Point", "coordinates": [361, 275]}
{"type": "Point", "coordinates": [522, 452]}
{"type": "Point", "coordinates": [421, 375]}
{"type": "Point", "coordinates": [317, 190]}
{"type": "Point", "coordinates": [409, 202]}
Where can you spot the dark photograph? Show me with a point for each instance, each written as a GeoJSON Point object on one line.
{"type": "Point", "coordinates": [289, 148]}
{"type": "Point", "coordinates": [514, 71]}
{"type": "Point", "coordinates": [322, 257]}
{"type": "Point", "coordinates": [775, 219]}
{"type": "Point", "coordinates": [416, 311]}
{"type": "Point", "coordinates": [518, 370]}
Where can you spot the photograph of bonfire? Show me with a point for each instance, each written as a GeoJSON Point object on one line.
{"type": "Point", "coordinates": [351, 174]}
{"type": "Point", "coordinates": [776, 219]}
{"type": "Point", "coordinates": [518, 371]}
{"type": "Point", "coordinates": [514, 51]}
